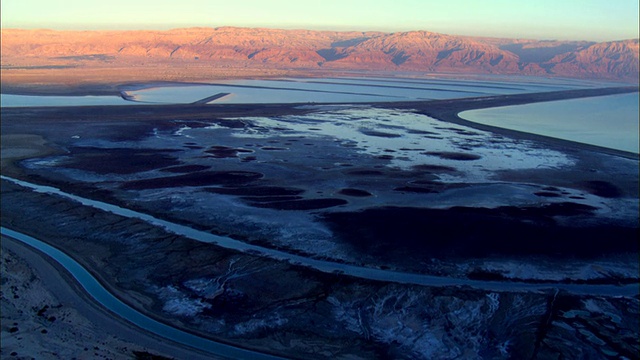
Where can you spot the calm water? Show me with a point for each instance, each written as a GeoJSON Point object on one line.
{"type": "Point", "coordinates": [311, 90]}
{"type": "Point", "coordinates": [605, 121]}
{"type": "Point", "coordinates": [10, 100]}
{"type": "Point", "coordinates": [608, 121]}
{"type": "Point", "coordinates": [345, 90]}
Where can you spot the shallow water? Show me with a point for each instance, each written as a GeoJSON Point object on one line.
{"type": "Point", "coordinates": [410, 139]}
{"type": "Point", "coordinates": [10, 100]}
{"type": "Point", "coordinates": [348, 90]}
{"type": "Point", "coordinates": [608, 121]}
{"type": "Point", "coordinates": [312, 90]}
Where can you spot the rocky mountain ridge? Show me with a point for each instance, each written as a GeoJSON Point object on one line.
{"type": "Point", "coordinates": [413, 51]}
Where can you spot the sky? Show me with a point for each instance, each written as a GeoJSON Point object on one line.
{"type": "Point", "coordinates": [593, 20]}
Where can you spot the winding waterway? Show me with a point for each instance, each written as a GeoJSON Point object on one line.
{"type": "Point", "coordinates": [328, 266]}
{"type": "Point", "coordinates": [109, 301]}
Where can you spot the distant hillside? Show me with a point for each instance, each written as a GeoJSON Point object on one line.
{"type": "Point", "coordinates": [418, 51]}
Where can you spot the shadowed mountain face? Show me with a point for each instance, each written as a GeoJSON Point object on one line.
{"type": "Point", "coordinates": [303, 49]}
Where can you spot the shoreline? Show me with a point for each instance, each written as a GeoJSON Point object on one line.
{"type": "Point", "coordinates": [449, 110]}
{"type": "Point", "coordinates": [462, 289]}
{"type": "Point", "coordinates": [114, 86]}
{"type": "Point", "coordinates": [446, 110]}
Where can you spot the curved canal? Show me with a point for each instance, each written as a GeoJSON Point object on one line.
{"type": "Point", "coordinates": [334, 267]}
{"type": "Point", "coordinates": [93, 287]}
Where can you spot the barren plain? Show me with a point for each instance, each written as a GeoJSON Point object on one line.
{"type": "Point", "coordinates": [314, 230]}
{"type": "Point", "coordinates": [502, 217]}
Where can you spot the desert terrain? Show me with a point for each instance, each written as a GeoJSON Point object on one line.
{"type": "Point", "coordinates": [314, 230]}
{"type": "Point", "coordinates": [95, 61]}
{"type": "Point", "coordinates": [245, 172]}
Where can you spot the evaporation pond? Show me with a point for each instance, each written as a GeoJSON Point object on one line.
{"type": "Point", "coordinates": [608, 121]}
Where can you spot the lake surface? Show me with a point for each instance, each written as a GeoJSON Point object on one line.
{"type": "Point", "coordinates": [605, 121]}
{"type": "Point", "coordinates": [608, 121]}
{"type": "Point", "coordinates": [10, 100]}
{"type": "Point", "coordinates": [310, 90]}
{"type": "Point", "coordinates": [344, 90]}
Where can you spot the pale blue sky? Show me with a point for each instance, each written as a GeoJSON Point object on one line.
{"type": "Point", "coordinates": [596, 20]}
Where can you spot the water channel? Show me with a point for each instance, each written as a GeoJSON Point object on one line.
{"type": "Point", "coordinates": [333, 267]}
{"type": "Point", "coordinates": [93, 287]}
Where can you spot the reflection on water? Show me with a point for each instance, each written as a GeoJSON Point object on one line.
{"type": "Point", "coordinates": [343, 90]}
{"type": "Point", "coordinates": [608, 121]}
{"type": "Point", "coordinates": [309, 90]}
{"type": "Point", "coordinates": [10, 100]}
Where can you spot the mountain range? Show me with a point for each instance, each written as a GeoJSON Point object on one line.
{"type": "Point", "coordinates": [231, 47]}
